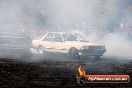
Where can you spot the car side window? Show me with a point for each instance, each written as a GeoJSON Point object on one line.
{"type": "Point", "coordinates": [71, 37]}
{"type": "Point", "coordinates": [49, 37]}
{"type": "Point", "coordinates": [58, 37]}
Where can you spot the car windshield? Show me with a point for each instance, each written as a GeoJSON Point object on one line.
{"type": "Point", "coordinates": [72, 37]}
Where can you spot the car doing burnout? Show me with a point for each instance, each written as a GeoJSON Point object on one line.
{"type": "Point", "coordinates": [74, 44]}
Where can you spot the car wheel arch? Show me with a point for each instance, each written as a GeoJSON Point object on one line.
{"type": "Point", "coordinates": [73, 52]}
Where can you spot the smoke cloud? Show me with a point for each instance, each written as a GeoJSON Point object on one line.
{"type": "Point", "coordinates": [117, 45]}
{"type": "Point", "coordinates": [100, 18]}
{"type": "Point", "coordinates": [96, 18]}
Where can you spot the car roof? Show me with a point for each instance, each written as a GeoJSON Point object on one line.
{"type": "Point", "coordinates": [62, 32]}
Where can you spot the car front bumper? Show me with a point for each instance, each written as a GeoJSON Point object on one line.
{"type": "Point", "coordinates": [93, 50]}
{"type": "Point", "coordinates": [93, 53]}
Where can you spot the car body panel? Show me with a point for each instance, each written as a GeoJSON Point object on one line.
{"type": "Point", "coordinates": [55, 40]}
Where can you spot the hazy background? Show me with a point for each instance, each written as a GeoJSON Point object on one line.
{"type": "Point", "coordinates": [64, 14]}
{"type": "Point", "coordinates": [108, 21]}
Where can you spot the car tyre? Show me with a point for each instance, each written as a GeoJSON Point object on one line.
{"type": "Point", "coordinates": [41, 50]}
{"type": "Point", "coordinates": [73, 52]}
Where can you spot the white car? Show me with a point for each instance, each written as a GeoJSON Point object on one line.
{"type": "Point", "coordinates": [73, 44]}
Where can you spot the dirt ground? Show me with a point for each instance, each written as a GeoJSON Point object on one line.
{"type": "Point", "coordinates": [59, 71]}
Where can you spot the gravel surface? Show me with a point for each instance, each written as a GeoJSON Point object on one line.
{"type": "Point", "coordinates": [53, 72]}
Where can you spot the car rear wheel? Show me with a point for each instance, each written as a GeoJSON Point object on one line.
{"type": "Point", "coordinates": [73, 52]}
{"type": "Point", "coordinates": [41, 50]}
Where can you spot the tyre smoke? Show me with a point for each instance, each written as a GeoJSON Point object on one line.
{"type": "Point", "coordinates": [117, 45]}
{"type": "Point", "coordinates": [98, 20]}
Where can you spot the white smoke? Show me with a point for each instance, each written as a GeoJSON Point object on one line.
{"type": "Point", "coordinates": [117, 45]}
{"type": "Point", "coordinates": [19, 14]}
{"type": "Point", "coordinates": [69, 15]}
{"type": "Point", "coordinates": [78, 16]}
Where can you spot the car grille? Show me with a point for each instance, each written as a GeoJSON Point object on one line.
{"type": "Point", "coordinates": [96, 47]}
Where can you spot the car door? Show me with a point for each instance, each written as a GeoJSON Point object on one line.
{"type": "Point", "coordinates": [58, 44]}
{"type": "Point", "coordinates": [66, 44]}
{"type": "Point", "coordinates": [48, 41]}
{"type": "Point", "coordinates": [71, 41]}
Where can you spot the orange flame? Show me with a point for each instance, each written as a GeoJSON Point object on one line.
{"type": "Point", "coordinates": [81, 71]}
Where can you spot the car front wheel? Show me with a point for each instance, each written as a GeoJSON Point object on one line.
{"type": "Point", "coordinates": [73, 52]}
